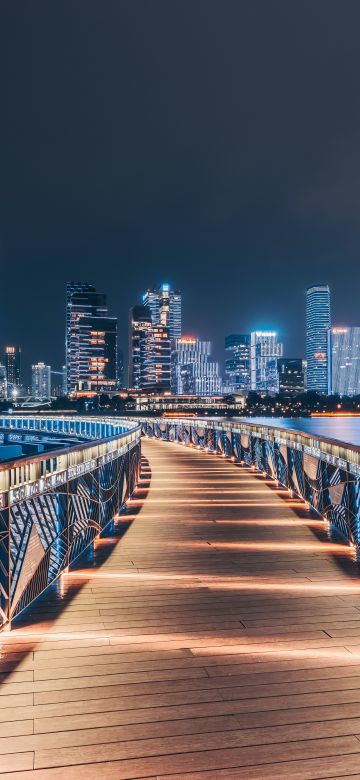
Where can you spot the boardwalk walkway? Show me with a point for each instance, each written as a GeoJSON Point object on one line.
{"type": "Point", "coordinates": [219, 639]}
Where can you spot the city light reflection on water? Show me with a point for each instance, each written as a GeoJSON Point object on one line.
{"type": "Point", "coordinates": [345, 429]}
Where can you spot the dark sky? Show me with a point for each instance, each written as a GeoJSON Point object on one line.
{"type": "Point", "coordinates": [209, 143]}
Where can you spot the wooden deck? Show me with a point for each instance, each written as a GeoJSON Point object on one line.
{"type": "Point", "coordinates": [219, 639]}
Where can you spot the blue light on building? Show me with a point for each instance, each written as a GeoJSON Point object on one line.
{"type": "Point", "coordinates": [237, 363]}
{"type": "Point", "coordinates": [318, 322]}
{"type": "Point", "coordinates": [196, 373]}
{"type": "Point", "coordinates": [165, 307]}
{"type": "Point", "coordinates": [91, 340]}
{"type": "Point", "coordinates": [344, 361]}
{"type": "Point", "coordinates": [265, 350]}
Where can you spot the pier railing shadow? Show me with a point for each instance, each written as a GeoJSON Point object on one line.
{"type": "Point", "coordinates": [52, 603]}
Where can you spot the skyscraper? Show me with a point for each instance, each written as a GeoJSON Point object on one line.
{"type": "Point", "coordinates": [91, 340]}
{"type": "Point", "coordinates": [265, 351]}
{"type": "Point", "coordinates": [71, 336]}
{"type": "Point", "coordinates": [195, 373]}
{"type": "Point", "coordinates": [156, 360]}
{"type": "Point", "coordinates": [291, 375]}
{"type": "Point", "coordinates": [165, 308]}
{"type": "Point", "coordinates": [318, 322]}
{"type": "Point", "coordinates": [344, 361]}
{"type": "Point", "coordinates": [140, 323]}
{"type": "Point", "coordinates": [237, 363]}
{"type": "Point", "coordinates": [13, 368]}
{"type": "Point", "coordinates": [41, 381]}
{"type": "Point", "coordinates": [3, 382]}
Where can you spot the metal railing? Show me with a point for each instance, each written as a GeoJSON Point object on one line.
{"type": "Point", "coordinates": [53, 504]}
{"type": "Point", "coordinates": [322, 471]}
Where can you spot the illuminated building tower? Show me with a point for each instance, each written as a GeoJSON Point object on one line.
{"type": "Point", "coordinates": [98, 344]}
{"type": "Point", "coordinates": [265, 350]}
{"type": "Point", "coordinates": [140, 323]}
{"type": "Point", "coordinates": [41, 381]}
{"type": "Point", "coordinates": [195, 373]}
{"type": "Point", "coordinates": [237, 363]}
{"type": "Point", "coordinates": [91, 341]}
{"type": "Point", "coordinates": [291, 375]}
{"type": "Point", "coordinates": [165, 308]}
{"type": "Point", "coordinates": [13, 369]}
{"type": "Point", "coordinates": [318, 322]}
{"type": "Point", "coordinates": [71, 331]}
{"type": "Point", "coordinates": [344, 361]}
{"type": "Point", "coordinates": [3, 382]}
{"type": "Point", "coordinates": [156, 360]}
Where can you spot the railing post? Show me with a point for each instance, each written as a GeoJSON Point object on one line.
{"type": "Point", "coordinates": [9, 565]}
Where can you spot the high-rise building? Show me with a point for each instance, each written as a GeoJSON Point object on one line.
{"type": "Point", "coordinates": [237, 363]}
{"type": "Point", "coordinates": [318, 322]}
{"type": "Point", "coordinates": [13, 369]}
{"type": "Point", "coordinates": [41, 381]}
{"type": "Point", "coordinates": [91, 340]}
{"type": "Point", "coordinates": [3, 382]}
{"type": "Point", "coordinates": [140, 323]}
{"type": "Point", "coordinates": [156, 360]}
{"type": "Point", "coordinates": [165, 308]}
{"type": "Point", "coordinates": [196, 374]}
{"type": "Point", "coordinates": [344, 361]}
{"type": "Point", "coordinates": [265, 350]}
{"type": "Point", "coordinates": [71, 335]}
{"type": "Point", "coordinates": [291, 375]}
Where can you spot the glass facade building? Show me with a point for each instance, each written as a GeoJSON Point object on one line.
{"type": "Point", "coordinates": [3, 382]}
{"type": "Point", "coordinates": [91, 341]}
{"type": "Point", "coordinates": [71, 337]}
{"type": "Point", "coordinates": [265, 349]}
{"type": "Point", "coordinates": [237, 363]}
{"type": "Point", "coordinates": [291, 375]}
{"type": "Point", "coordinates": [41, 381]}
{"type": "Point", "coordinates": [196, 374]}
{"type": "Point", "coordinates": [140, 326]}
{"type": "Point", "coordinates": [344, 361]}
{"type": "Point", "coordinates": [165, 308]}
{"type": "Point", "coordinates": [156, 360]}
{"type": "Point", "coordinates": [13, 369]}
{"type": "Point", "coordinates": [318, 320]}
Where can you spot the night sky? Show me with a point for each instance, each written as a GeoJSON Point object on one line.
{"type": "Point", "coordinates": [213, 144]}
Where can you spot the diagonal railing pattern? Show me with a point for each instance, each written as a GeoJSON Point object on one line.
{"type": "Point", "coordinates": [324, 472]}
{"type": "Point", "coordinates": [54, 504]}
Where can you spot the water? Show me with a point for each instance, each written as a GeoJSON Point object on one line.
{"type": "Point", "coordinates": [345, 429]}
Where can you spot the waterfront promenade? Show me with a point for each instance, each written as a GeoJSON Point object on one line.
{"type": "Point", "coordinates": [219, 638]}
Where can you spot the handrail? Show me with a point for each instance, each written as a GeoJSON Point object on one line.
{"type": "Point", "coordinates": [323, 471]}
{"type": "Point", "coordinates": [53, 504]}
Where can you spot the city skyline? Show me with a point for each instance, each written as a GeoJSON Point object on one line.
{"type": "Point", "coordinates": [166, 289]}
{"type": "Point", "coordinates": [228, 172]}
{"type": "Point", "coordinates": [179, 389]}
{"type": "Point", "coordinates": [52, 338]}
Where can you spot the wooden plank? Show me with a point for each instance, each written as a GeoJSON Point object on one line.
{"type": "Point", "coordinates": [218, 638]}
